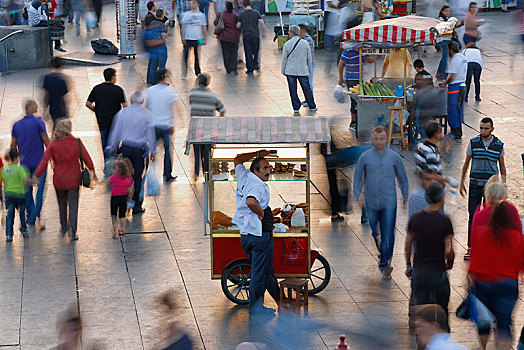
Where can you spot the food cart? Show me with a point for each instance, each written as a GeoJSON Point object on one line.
{"type": "Point", "coordinates": [378, 38]}
{"type": "Point", "coordinates": [289, 139]}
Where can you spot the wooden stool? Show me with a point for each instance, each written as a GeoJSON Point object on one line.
{"type": "Point", "coordinates": [390, 129]}
{"type": "Point", "coordinates": [300, 287]}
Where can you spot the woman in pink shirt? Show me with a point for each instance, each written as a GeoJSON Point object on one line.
{"type": "Point", "coordinates": [122, 190]}
{"type": "Point", "coordinates": [472, 22]}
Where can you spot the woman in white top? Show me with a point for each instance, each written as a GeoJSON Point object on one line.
{"type": "Point", "coordinates": [474, 57]}
{"type": "Point", "coordinates": [444, 13]}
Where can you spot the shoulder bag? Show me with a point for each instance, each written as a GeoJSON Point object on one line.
{"type": "Point", "coordinates": [220, 25]}
{"type": "Point", "coordinates": [85, 176]}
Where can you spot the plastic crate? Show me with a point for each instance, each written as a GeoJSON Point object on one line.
{"type": "Point", "coordinates": [56, 28]}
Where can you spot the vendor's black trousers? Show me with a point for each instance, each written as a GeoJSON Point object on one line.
{"type": "Point", "coordinates": [260, 253]}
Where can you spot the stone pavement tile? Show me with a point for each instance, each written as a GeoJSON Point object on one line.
{"type": "Point", "coordinates": [9, 338]}
{"type": "Point", "coordinates": [114, 333]}
{"type": "Point", "coordinates": [40, 337]}
{"type": "Point", "coordinates": [330, 296]}
{"type": "Point", "coordinates": [9, 321]}
{"type": "Point", "coordinates": [100, 279]}
{"type": "Point", "coordinates": [109, 317]}
{"type": "Point", "coordinates": [104, 291]}
{"type": "Point", "coordinates": [388, 293]}
{"type": "Point", "coordinates": [153, 241]}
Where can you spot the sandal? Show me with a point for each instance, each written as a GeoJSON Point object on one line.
{"type": "Point", "coordinates": [115, 235]}
{"type": "Point", "coordinates": [121, 232]}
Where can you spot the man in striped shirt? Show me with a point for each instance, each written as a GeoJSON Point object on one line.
{"type": "Point", "coordinates": [348, 74]}
{"type": "Point", "coordinates": [204, 103]}
{"type": "Point", "coordinates": [427, 155]}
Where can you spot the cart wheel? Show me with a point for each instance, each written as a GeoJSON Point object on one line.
{"type": "Point", "coordinates": [320, 275]}
{"type": "Point", "coordinates": [235, 282]}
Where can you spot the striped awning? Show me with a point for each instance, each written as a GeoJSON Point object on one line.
{"type": "Point", "coordinates": [414, 29]}
{"type": "Point", "coordinates": [258, 130]}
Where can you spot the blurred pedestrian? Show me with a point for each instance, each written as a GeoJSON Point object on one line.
{"type": "Point", "coordinates": [80, 10]}
{"type": "Point", "coordinates": [67, 9]}
{"type": "Point", "coordinates": [254, 218]}
{"type": "Point", "coordinates": [485, 153]}
{"type": "Point", "coordinates": [97, 4]}
{"type": "Point", "coordinates": [182, 6]}
{"type": "Point", "coordinates": [331, 24]}
{"type": "Point", "coordinates": [121, 192]}
{"type": "Point", "coordinates": [155, 41]}
{"type": "Point", "coordinates": [203, 7]}
{"type": "Point", "coordinates": [193, 33]}
{"type": "Point", "coordinates": [37, 17]}
{"type": "Point", "coordinates": [229, 38]}
{"type": "Point", "coordinates": [106, 100]}
{"type": "Point", "coordinates": [250, 23]}
{"type": "Point", "coordinates": [176, 338]}
{"type": "Point", "coordinates": [297, 64]}
{"type": "Point", "coordinates": [29, 136]}
{"type": "Point", "coordinates": [161, 99]}
{"type": "Point", "coordinates": [432, 329]}
{"type": "Point", "coordinates": [428, 153]}
{"type": "Point", "coordinates": [443, 43]}
{"type": "Point", "coordinates": [55, 90]}
{"type": "Point", "coordinates": [69, 329]}
{"type": "Point", "coordinates": [377, 168]}
{"type": "Point", "coordinates": [474, 58]}
{"type": "Point", "coordinates": [349, 74]}
{"type": "Point", "coordinates": [15, 178]}
{"type": "Point", "coordinates": [471, 24]}
{"type": "Point", "coordinates": [497, 259]}
{"type": "Point", "coordinates": [133, 136]}
{"type": "Point", "coordinates": [457, 71]}
{"type": "Point", "coordinates": [423, 79]}
{"type": "Point", "coordinates": [305, 36]}
{"type": "Point", "coordinates": [432, 233]}
{"type": "Point", "coordinates": [397, 63]}
{"type": "Point", "coordinates": [203, 102]}
{"type": "Point", "coordinates": [66, 151]}
{"type": "Point", "coordinates": [339, 197]}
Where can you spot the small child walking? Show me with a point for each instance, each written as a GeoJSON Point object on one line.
{"type": "Point", "coordinates": [14, 177]}
{"type": "Point", "coordinates": [122, 181]}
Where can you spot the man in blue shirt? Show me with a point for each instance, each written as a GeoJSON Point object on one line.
{"type": "Point", "coordinates": [378, 167]}
{"type": "Point", "coordinates": [29, 135]}
{"type": "Point", "coordinates": [155, 38]}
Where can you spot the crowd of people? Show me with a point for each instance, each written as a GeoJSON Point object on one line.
{"type": "Point", "coordinates": [131, 127]}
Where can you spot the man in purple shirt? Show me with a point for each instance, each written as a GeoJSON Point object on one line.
{"type": "Point", "coordinates": [29, 135]}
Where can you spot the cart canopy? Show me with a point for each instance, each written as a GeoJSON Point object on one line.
{"type": "Point", "coordinates": [395, 32]}
{"type": "Point", "coordinates": [257, 130]}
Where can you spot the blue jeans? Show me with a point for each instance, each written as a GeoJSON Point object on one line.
{"type": "Point", "coordinates": [430, 287]}
{"type": "Point", "coordinates": [258, 5]}
{"type": "Point", "coordinates": [13, 203]}
{"type": "Point", "coordinates": [500, 298]}
{"type": "Point", "coordinates": [455, 115]}
{"type": "Point", "coordinates": [204, 8]}
{"type": "Point", "coordinates": [474, 71]}
{"type": "Point", "coordinates": [443, 64]}
{"type": "Point", "coordinates": [306, 89]}
{"type": "Point", "coordinates": [469, 39]}
{"type": "Point", "coordinates": [165, 134]}
{"type": "Point", "coordinates": [384, 241]}
{"type": "Point", "coordinates": [34, 208]}
{"type": "Point", "coordinates": [104, 135]}
{"type": "Point", "coordinates": [157, 60]}
{"type": "Point", "coordinates": [251, 47]}
{"type": "Point", "coordinates": [260, 253]}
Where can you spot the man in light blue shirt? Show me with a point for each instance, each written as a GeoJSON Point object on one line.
{"type": "Point", "coordinates": [378, 168]}
{"type": "Point", "coordinates": [255, 223]}
{"type": "Point", "coordinates": [133, 135]}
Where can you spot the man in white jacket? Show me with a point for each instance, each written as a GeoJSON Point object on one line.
{"type": "Point", "coordinates": [297, 65]}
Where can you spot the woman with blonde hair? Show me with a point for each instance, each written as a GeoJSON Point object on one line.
{"type": "Point", "coordinates": [66, 151]}
{"type": "Point", "coordinates": [497, 258]}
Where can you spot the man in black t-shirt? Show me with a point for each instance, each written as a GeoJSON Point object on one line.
{"type": "Point", "coordinates": [248, 23]}
{"type": "Point", "coordinates": [106, 100]}
{"type": "Point", "coordinates": [432, 233]}
{"type": "Point", "coordinates": [55, 89]}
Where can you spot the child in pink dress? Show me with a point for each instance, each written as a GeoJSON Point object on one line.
{"type": "Point", "coordinates": [122, 181]}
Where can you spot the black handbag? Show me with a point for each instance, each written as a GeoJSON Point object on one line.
{"type": "Point", "coordinates": [85, 175]}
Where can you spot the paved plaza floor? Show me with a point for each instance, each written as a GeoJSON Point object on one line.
{"type": "Point", "coordinates": [114, 282]}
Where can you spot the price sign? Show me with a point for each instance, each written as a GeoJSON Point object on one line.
{"type": "Point", "coordinates": [375, 52]}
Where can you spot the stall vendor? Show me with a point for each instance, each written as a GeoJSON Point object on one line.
{"type": "Point", "coordinates": [394, 64]}
{"type": "Point", "coordinates": [348, 74]}
{"type": "Point", "coordinates": [255, 223]}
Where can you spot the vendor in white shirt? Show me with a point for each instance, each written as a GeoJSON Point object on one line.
{"type": "Point", "coordinates": [255, 222]}
{"type": "Point", "coordinates": [474, 58]}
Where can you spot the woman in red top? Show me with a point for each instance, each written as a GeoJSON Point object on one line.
{"type": "Point", "coordinates": [497, 258]}
{"type": "Point", "coordinates": [64, 151]}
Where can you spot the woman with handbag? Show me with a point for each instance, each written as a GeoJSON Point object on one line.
{"type": "Point", "coordinates": [497, 258]}
{"type": "Point", "coordinates": [68, 155]}
{"type": "Point", "coordinates": [228, 35]}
